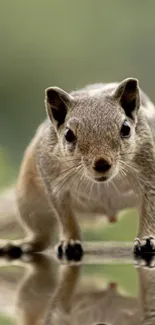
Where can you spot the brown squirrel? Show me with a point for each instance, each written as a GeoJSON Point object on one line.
{"type": "Point", "coordinates": [95, 152]}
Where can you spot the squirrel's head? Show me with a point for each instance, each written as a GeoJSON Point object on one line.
{"type": "Point", "coordinates": [96, 128]}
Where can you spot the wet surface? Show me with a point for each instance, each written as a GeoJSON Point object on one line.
{"type": "Point", "coordinates": [108, 286]}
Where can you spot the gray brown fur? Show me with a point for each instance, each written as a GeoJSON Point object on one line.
{"type": "Point", "coordinates": [57, 180]}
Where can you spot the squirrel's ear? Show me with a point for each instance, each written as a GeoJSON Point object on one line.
{"type": "Point", "coordinates": [127, 93]}
{"type": "Point", "coordinates": [57, 102]}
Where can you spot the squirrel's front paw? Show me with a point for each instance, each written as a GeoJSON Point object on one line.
{"type": "Point", "coordinates": [144, 247]}
{"type": "Point", "coordinates": [15, 249]}
{"type": "Point", "coordinates": [70, 249]}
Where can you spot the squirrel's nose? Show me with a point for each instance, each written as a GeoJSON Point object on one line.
{"type": "Point", "coordinates": [101, 165]}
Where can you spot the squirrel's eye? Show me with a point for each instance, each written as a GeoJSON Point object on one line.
{"type": "Point", "coordinates": [69, 135]}
{"type": "Point", "coordinates": [125, 129]}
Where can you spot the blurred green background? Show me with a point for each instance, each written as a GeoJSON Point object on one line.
{"type": "Point", "coordinates": [69, 44]}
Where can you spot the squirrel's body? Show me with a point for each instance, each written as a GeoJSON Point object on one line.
{"type": "Point", "coordinates": [79, 161]}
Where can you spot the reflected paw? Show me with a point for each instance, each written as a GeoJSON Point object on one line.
{"type": "Point", "coordinates": [11, 251]}
{"type": "Point", "coordinates": [70, 249]}
{"type": "Point", "coordinates": [146, 261]}
{"type": "Point", "coordinates": [143, 248]}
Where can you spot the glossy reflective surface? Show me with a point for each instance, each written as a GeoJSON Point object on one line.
{"type": "Point", "coordinates": [107, 287]}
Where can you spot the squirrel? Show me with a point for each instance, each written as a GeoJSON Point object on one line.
{"type": "Point", "coordinates": [94, 152]}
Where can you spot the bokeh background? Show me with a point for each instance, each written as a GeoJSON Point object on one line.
{"type": "Point", "coordinates": [67, 43]}
{"type": "Point", "coordinates": [70, 44]}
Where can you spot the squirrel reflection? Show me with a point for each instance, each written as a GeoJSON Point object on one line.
{"type": "Point", "coordinates": [34, 291]}
{"type": "Point", "coordinates": [49, 297]}
{"type": "Point", "coordinates": [46, 284]}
